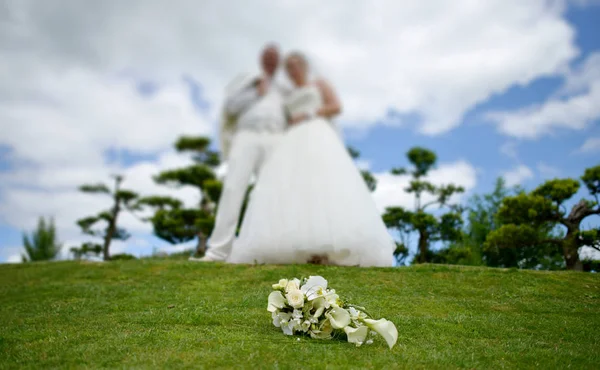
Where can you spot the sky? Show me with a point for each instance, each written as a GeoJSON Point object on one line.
{"type": "Point", "coordinates": [88, 89]}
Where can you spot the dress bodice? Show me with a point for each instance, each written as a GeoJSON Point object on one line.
{"type": "Point", "coordinates": [306, 99]}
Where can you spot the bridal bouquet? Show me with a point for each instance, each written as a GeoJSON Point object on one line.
{"type": "Point", "coordinates": [307, 306]}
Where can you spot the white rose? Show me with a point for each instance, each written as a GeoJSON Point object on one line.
{"type": "Point", "coordinates": [281, 285]}
{"type": "Point", "coordinates": [295, 298]}
{"type": "Point", "coordinates": [293, 284]}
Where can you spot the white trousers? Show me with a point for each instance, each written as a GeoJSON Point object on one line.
{"type": "Point", "coordinates": [249, 151]}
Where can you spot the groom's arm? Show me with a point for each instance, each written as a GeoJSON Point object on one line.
{"type": "Point", "coordinates": [237, 103]}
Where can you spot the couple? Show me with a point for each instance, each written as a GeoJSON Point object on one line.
{"type": "Point", "coordinates": [310, 202]}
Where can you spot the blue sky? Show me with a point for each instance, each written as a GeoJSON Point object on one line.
{"type": "Point", "coordinates": [188, 93]}
{"type": "Point", "coordinates": [478, 140]}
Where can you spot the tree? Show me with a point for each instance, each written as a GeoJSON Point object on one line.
{"type": "Point", "coordinates": [86, 249]}
{"type": "Point", "coordinates": [482, 218]}
{"type": "Point", "coordinates": [122, 199]}
{"type": "Point", "coordinates": [429, 227]}
{"type": "Point", "coordinates": [172, 221]}
{"type": "Point", "coordinates": [370, 180]}
{"type": "Point", "coordinates": [42, 245]}
{"type": "Point", "coordinates": [524, 215]}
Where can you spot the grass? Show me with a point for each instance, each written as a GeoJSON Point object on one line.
{"type": "Point", "coordinates": [161, 313]}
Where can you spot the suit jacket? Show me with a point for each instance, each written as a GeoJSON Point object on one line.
{"type": "Point", "coordinates": [228, 123]}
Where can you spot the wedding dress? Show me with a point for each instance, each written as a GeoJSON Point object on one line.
{"type": "Point", "coordinates": [311, 200]}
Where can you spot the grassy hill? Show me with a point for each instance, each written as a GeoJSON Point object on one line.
{"type": "Point", "coordinates": [164, 313]}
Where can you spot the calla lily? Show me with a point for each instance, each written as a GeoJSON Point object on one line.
{"type": "Point", "coordinates": [358, 335]}
{"type": "Point", "coordinates": [319, 304]}
{"type": "Point", "coordinates": [324, 331]}
{"type": "Point", "coordinates": [385, 328]}
{"type": "Point", "coordinates": [314, 287]}
{"type": "Point", "coordinates": [339, 317]}
{"type": "Point", "coordinates": [276, 301]}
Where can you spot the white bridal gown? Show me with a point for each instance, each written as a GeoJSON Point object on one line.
{"type": "Point", "coordinates": [310, 199]}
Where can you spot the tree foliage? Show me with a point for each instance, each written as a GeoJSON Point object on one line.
{"type": "Point", "coordinates": [42, 243]}
{"type": "Point", "coordinates": [525, 216]}
{"type": "Point", "coordinates": [171, 220]}
{"type": "Point", "coordinates": [429, 227]}
{"type": "Point", "coordinates": [370, 180]}
{"type": "Point", "coordinates": [482, 218]}
{"type": "Point", "coordinates": [104, 224]}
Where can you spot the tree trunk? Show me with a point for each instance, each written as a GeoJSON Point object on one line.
{"type": "Point", "coordinates": [107, 239]}
{"type": "Point", "coordinates": [423, 247]}
{"type": "Point", "coordinates": [201, 246]}
{"type": "Point", "coordinates": [110, 232]}
{"type": "Point", "coordinates": [112, 224]}
{"type": "Point", "coordinates": [571, 250]}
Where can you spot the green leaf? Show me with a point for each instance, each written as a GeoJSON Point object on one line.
{"type": "Point", "coordinates": [95, 188]}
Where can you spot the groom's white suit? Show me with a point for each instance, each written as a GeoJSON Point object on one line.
{"type": "Point", "coordinates": [251, 126]}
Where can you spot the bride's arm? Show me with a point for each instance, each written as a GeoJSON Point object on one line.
{"type": "Point", "coordinates": [331, 104]}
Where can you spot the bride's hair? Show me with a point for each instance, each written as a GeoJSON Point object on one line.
{"type": "Point", "coordinates": [298, 55]}
{"type": "Point", "coordinates": [308, 64]}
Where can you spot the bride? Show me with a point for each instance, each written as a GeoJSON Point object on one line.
{"type": "Point", "coordinates": [310, 201]}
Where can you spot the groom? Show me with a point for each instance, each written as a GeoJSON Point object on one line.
{"type": "Point", "coordinates": [254, 121]}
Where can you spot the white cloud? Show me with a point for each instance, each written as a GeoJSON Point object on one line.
{"type": "Point", "coordinates": [11, 254]}
{"type": "Point", "coordinates": [51, 191]}
{"type": "Point", "coordinates": [591, 145]}
{"type": "Point", "coordinates": [509, 149]}
{"type": "Point", "coordinates": [574, 107]}
{"type": "Point", "coordinates": [69, 71]}
{"type": "Point", "coordinates": [547, 170]}
{"type": "Point", "coordinates": [363, 164]}
{"type": "Point", "coordinates": [432, 58]}
{"type": "Point", "coordinates": [518, 175]}
{"type": "Point", "coordinates": [589, 253]}
{"type": "Point", "coordinates": [390, 188]}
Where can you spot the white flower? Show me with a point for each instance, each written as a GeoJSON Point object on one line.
{"type": "Point", "coordinates": [305, 326]}
{"type": "Point", "coordinates": [331, 298]}
{"type": "Point", "coordinates": [319, 304]}
{"type": "Point", "coordinates": [295, 325]}
{"type": "Point", "coordinates": [356, 335]}
{"type": "Point", "coordinates": [281, 318]}
{"type": "Point", "coordinates": [324, 332]}
{"type": "Point", "coordinates": [385, 328]}
{"type": "Point", "coordinates": [297, 314]}
{"type": "Point", "coordinates": [287, 330]}
{"type": "Point", "coordinates": [281, 285]}
{"type": "Point", "coordinates": [295, 298]}
{"type": "Point", "coordinates": [276, 301]}
{"type": "Point", "coordinates": [293, 284]}
{"type": "Point", "coordinates": [314, 287]}
{"type": "Point", "coordinates": [356, 314]}
{"type": "Point", "coordinates": [339, 317]}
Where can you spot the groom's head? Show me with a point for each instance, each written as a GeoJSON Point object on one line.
{"type": "Point", "coordinates": [269, 59]}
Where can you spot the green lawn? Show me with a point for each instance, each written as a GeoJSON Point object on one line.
{"type": "Point", "coordinates": [164, 313]}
